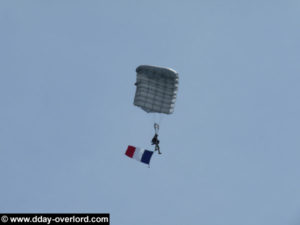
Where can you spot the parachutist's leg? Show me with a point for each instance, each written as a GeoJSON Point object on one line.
{"type": "Point", "coordinates": [157, 146]}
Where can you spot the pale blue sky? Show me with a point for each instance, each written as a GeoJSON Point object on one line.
{"type": "Point", "coordinates": [231, 150]}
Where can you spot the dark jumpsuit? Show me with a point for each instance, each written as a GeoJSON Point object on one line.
{"type": "Point", "coordinates": [155, 142]}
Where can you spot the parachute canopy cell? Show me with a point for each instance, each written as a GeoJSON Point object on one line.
{"type": "Point", "coordinates": [156, 89]}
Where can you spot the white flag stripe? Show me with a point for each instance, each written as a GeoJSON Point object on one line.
{"type": "Point", "coordinates": [138, 154]}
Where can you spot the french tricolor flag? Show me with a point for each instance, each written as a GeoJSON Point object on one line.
{"type": "Point", "coordinates": [139, 154]}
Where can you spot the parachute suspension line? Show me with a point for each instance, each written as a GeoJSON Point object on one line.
{"type": "Point", "coordinates": [161, 116]}
{"type": "Point", "coordinates": [153, 117]}
{"type": "Point", "coordinates": [156, 128]}
{"type": "Point", "coordinates": [156, 121]}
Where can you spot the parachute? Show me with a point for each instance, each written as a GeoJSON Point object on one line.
{"type": "Point", "coordinates": [156, 92]}
{"type": "Point", "coordinates": [156, 89]}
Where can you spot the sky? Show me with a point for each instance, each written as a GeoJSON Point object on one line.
{"type": "Point", "coordinates": [231, 149]}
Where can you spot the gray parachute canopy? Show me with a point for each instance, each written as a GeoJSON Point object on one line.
{"type": "Point", "coordinates": [156, 89]}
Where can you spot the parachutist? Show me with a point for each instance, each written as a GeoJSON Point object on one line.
{"type": "Point", "coordinates": [155, 142]}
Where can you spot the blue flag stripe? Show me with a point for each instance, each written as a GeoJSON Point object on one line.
{"type": "Point", "coordinates": [146, 156]}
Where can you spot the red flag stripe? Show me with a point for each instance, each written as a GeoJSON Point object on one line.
{"type": "Point", "coordinates": [130, 151]}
